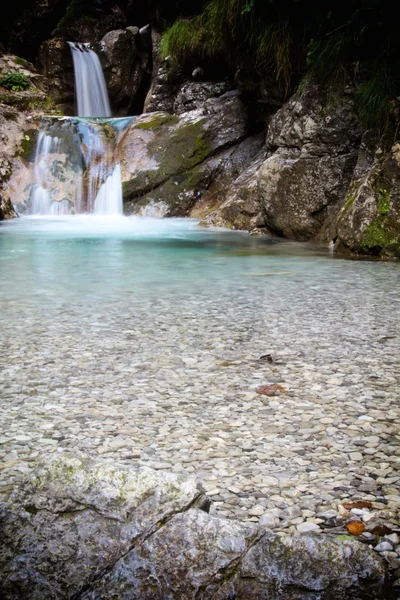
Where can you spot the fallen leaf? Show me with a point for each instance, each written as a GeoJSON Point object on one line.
{"type": "Point", "coordinates": [225, 363]}
{"type": "Point", "coordinates": [271, 390]}
{"type": "Point", "coordinates": [355, 527]}
{"type": "Point", "coordinates": [358, 504]}
{"type": "Point", "coordinates": [381, 530]}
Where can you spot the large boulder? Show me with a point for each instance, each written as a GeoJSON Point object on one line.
{"type": "Point", "coordinates": [369, 220]}
{"type": "Point", "coordinates": [232, 200]}
{"type": "Point", "coordinates": [125, 59]}
{"type": "Point", "coordinates": [313, 146]}
{"type": "Point", "coordinates": [87, 528]}
{"type": "Point", "coordinates": [162, 156]}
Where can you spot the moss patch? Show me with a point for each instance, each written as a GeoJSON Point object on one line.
{"type": "Point", "coordinates": [156, 122]}
{"type": "Point", "coordinates": [382, 236]}
{"type": "Point", "coordinates": [185, 148]}
{"type": "Point", "coordinates": [27, 145]}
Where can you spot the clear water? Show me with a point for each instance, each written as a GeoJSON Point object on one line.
{"type": "Point", "coordinates": [90, 259]}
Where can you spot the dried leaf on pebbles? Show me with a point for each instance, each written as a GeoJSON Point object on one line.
{"type": "Point", "coordinates": [355, 527]}
{"type": "Point", "coordinates": [271, 390]}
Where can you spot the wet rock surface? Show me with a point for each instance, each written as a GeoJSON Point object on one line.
{"type": "Point", "coordinates": [314, 146]}
{"type": "Point", "coordinates": [134, 533]}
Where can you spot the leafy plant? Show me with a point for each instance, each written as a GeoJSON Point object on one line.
{"type": "Point", "coordinates": [14, 81]}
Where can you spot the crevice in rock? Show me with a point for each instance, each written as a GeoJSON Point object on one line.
{"type": "Point", "coordinates": [138, 541]}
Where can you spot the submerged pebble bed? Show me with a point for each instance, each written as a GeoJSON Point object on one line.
{"type": "Point", "coordinates": [152, 356]}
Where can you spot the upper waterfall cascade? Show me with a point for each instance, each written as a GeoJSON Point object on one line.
{"type": "Point", "coordinates": [90, 86]}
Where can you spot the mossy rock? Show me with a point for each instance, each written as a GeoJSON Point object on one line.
{"type": "Point", "coordinates": [179, 193]}
{"type": "Point", "coordinates": [382, 236]}
{"type": "Point", "coordinates": [156, 122]}
{"type": "Point", "coordinates": [27, 145]}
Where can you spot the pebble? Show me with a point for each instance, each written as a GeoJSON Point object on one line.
{"type": "Point", "coordinates": [384, 547]}
{"type": "Point", "coordinates": [307, 527]}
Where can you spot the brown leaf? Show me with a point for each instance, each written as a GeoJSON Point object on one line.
{"type": "Point", "coordinates": [271, 390]}
{"type": "Point", "coordinates": [358, 504]}
{"type": "Point", "coordinates": [381, 530]}
{"type": "Point", "coordinates": [355, 527]}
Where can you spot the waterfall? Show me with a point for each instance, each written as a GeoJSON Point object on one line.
{"type": "Point", "coordinates": [95, 186]}
{"type": "Point", "coordinates": [90, 87]}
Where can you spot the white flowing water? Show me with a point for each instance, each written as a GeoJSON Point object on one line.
{"type": "Point", "coordinates": [42, 202]}
{"type": "Point", "coordinates": [90, 86]}
{"type": "Point", "coordinates": [109, 197]}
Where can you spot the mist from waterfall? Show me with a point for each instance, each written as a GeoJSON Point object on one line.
{"type": "Point", "coordinates": [90, 86]}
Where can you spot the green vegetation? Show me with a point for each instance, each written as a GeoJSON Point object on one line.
{"type": "Point", "coordinates": [329, 43]}
{"type": "Point", "coordinates": [16, 82]}
{"type": "Point", "coordinates": [21, 61]}
{"type": "Point", "coordinates": [77, 9]}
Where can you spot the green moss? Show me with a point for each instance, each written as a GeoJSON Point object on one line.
{"type": "Point", "coordinates": [156, 122]}
{"type": "Point", "coordinates": [76, 9]}
{"type": "Point", "coordinates": [185, 148]}
{"type": "Point", "coordinates": [27, 145]}
{"type": "Point", "coordinates": [383, 201]}
{"type": "Point", "coordinates": [10, 115]}
{"type": "Point", "coordinates": [21, 61]}
{"type": "Point", "coordinates": [47, 105]}
{"type": "Point", "coordinates": [349, 203]}
{"type": "Point", "coordinates": [382, 236]}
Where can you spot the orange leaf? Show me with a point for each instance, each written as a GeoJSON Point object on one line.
{"type": "Point", "coordinates": [355, 527]}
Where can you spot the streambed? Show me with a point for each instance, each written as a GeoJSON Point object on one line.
{"type": "Point", "coordinates": [140, 340]}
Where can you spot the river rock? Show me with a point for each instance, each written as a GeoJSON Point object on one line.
{"type": "Point", "coordinates": [87, 528]}
{"type": "Point", "coordinates": [162, 155]}
{"type": "Point", "coordinates": [313, 147]}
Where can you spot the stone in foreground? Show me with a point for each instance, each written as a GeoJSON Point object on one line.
{"type": "Point", "coordinates": [85, 528]}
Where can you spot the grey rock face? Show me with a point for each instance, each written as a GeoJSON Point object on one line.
{"type": "Point", "coordinates": [84, 528]}
{"type": "Point", "coordinates": [233, 199]}
{"type": "Point", "coordinates": [164, 85]}
{"type": "Point", "coordinates": [193, 94]}
{"type": "Point", "coordinates": [55, 62]}
{"type": "Point", "coordinates": [369, 220]}
{"type": "Point", "coordinates": [314, 147]}
{"type": "Point", "coordinates": [125, 64]}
